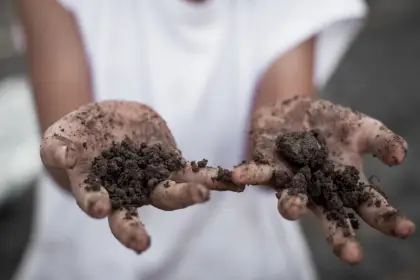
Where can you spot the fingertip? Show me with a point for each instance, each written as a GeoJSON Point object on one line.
{"type": "Point", "coordinates": [404, 228]}
{"type": "Point", "coordinates": [292, 207]}
{"type": "Point", "coordinates": [391, 149]}
{"type": "Point", "coordinates": [94, 201]}
{"type": "Point", "coordinates": [139, 248]}
{"type": "Point", "coordinates": [129, 231]}
{"type": "Point", "coordinates": [384, 217]}
{"type": "Point", "coordinates": [350, 252]}
{"type": "Point", "coordinates": [239, 173]}
{"type": "Point", "coordinates": [398, 153]}
{"type": "Point", "coordinates": [95, 204]}
{"type": "Point", "coordinates": [101, 208]}
{"type": "Point", "coordinates": [139, 243]}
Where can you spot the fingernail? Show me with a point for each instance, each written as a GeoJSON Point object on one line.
{"type": "Point", "coordinates": [100, 209]}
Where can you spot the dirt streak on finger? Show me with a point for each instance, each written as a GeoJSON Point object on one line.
{"type": "Point", "coordinates": [129, 230]}
{"type": "Point", "coordinates": [93, 200]}
{"type": "Point", "coordinates": [217, 179]}
{"type": "Point", "coordinates": [377, 212]}
{"type": "Point", "coordinates": [169, 195]}
{"type": "Point", "coordinates": [340, 237]}
{"type": "Point", "coordinates": [383, 143]}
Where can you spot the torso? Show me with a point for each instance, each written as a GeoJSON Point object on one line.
{"type": "Point", "coordinates": [197, 65]}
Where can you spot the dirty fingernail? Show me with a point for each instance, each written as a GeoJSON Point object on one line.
{"type": "Point", "coordinates": [292, 207]}
{"type": "Point", "coordinates": [100, 209]}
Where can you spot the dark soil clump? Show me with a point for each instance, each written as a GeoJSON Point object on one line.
{"type": "Point", "coordinates": [223, 175]}
{"type": "Point", "coordinates": [196, 166]}
{"type": "Point", "coordinates": [314, 175]}
{"type": "Point", "coordinates": [130, 172]}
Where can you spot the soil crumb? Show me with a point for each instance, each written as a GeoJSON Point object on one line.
{"type": "Point", "coordinates": [223, 175]}
{"type": "Point", "coordinates": [196, 166]}
{"type": "Point", "coordinates": [314, 175]}
{"type": "Point", "coordinates": [130, 172]}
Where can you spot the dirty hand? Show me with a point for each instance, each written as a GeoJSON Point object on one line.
{"type": "Point", "coordinates": [346, 135]}
{"type": "Point", "coordinates": [73, 142]}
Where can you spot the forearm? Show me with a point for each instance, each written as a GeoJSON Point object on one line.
{"type": "Point", "coordinates": [290, 75]}
{"type": "Point", "coordinates": [57, 64]}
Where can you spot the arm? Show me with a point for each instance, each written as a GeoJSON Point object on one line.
{"type": "Point", "coordinates": [346, 136]}
{"type": "Point", "coordinates": [288, 76]}
{"type": "Point", "coordinates": [57, 64]}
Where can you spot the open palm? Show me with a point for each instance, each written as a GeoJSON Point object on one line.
{"type": "Point", "coordinates": [348, 135]}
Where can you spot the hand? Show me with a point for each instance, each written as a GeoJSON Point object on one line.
{"type": "Point", "coordinates": [347, 135]}
{"type": "Point", "coordinates": [81, 137]}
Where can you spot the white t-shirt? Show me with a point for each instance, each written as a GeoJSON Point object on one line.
{"type": "Point", "coordinates": [197, 65]}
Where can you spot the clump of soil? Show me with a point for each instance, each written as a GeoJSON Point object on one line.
{"type": "Point", "coordinates": [130, 172]}
{"type": "Point", "coordinates": [223, 175]}
{"type": "Point", "coordinates": [196, 166]}
{"type": "Point", "coordinates": [334, 190]}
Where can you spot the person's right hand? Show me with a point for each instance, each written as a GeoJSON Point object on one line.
{"type": "Point", "coordinates": [75, 140]}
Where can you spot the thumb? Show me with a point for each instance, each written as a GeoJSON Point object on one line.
{"type": "Point", "coordinates": [58, 152]}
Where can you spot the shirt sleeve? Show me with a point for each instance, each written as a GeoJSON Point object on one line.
{"type": "Point", "coordinates": [285, 24]}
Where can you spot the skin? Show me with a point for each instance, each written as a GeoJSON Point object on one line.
{"type": "Point", "coordinates": [349, 135]}
{"type": "Point", "coordinates": [62, 86]}
{"type": "Point", "coordinates": [77, 138]}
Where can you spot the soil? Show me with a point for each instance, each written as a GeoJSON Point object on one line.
{"type": "Point", "coordinates": [195, 166]}
{"type": "Point", "coordinates": [223, 175]}
{"type": "Point", "coordinates": [130, 172]}
{"type": "Point", "coordinates": [335, 191]}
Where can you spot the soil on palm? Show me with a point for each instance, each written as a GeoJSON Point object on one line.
{"type": "Point", "coordinates": [130, 172]}
{"type": "Point", "coordinates": [335, 191]}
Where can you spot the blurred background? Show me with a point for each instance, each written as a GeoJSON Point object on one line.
{"type": "Point", "coordinates": [380, 76]}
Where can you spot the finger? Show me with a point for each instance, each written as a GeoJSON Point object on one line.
{"type": "Point", "coordinates": [58, 152]}
{"type": "Point", "coordinates": [90, 196]}
{"type": "Point", "coordinates": [292, 205]}
{"type": "Point", "coordinates": [252, 173]}
{"type": "Point", "coordinates": [340, 235]}
{"type": "Point", "coordinates": [380, 141]}
{"type": "Point", "coordinates": [217, 179]}
{"type": "Point", "coordinates": [129, 230]}
{"type": "Point", "coordinates": [169, 195]}
{"type": "Point", "coordinates": [377, 213]}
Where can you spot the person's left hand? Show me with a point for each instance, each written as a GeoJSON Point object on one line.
{"type": "Point", "coordinates": [348, 135]}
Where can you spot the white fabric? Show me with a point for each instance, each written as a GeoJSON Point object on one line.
{"type": "Point", "coordinates": [19, 138]}
{"type": "Point", "coordinates": [197, 65]}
